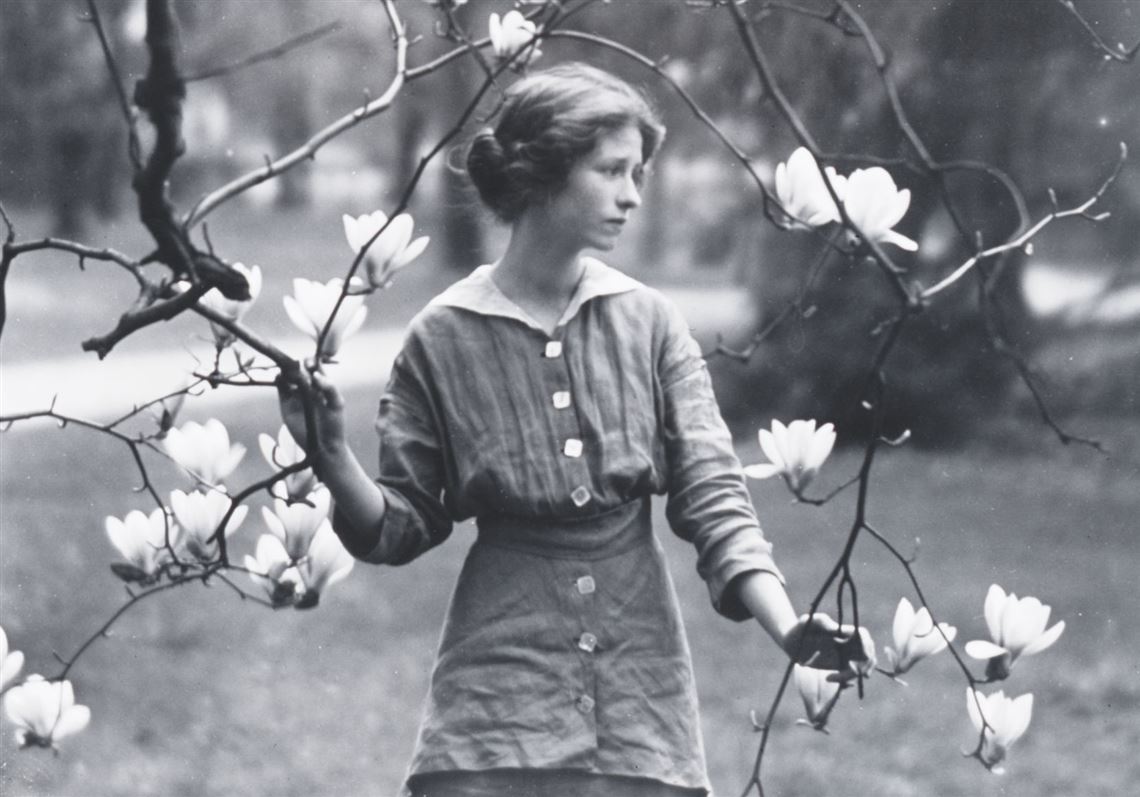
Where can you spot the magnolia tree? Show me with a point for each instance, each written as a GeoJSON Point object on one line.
{"type": "Point", "coordinates": [191, 536]}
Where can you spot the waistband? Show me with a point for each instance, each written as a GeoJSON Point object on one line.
{"type": "Point", "coordinates": [592, 537]}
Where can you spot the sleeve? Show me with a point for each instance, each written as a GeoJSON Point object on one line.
{"type": "Point", "coordinates": [708, 503]}
{"type": "Point", "coordinates": [412, 469]}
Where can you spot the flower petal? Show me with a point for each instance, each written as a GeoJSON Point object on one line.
{"type": "Point", "coordinates": [984, 649]}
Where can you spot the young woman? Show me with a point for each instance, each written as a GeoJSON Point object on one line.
{"type": "Point", "coordinates": [549, 396]}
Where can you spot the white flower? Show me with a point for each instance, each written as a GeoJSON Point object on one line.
{"type": "Point", "coordinates": [204, 450]}
{"type": "Point", "coordinates": [796, 452]}
{"type": "Point", "coordinates": [1017, 627]}
{"type": "Point", "coordinates": [875, 205]}
{"type": "Point", "coordinates": [802, 192]}
{"type": "Point", "coordinates": [512, 34]}
{"type": "Point", "coordinates": [915, 637]}
{"type": "Point", "coordinates": [819, 692]}
{"type": "Point", "coordinates": [44, 711]}
{"type": "Point", "coordinates": [296, 523]}
{"type": "Point", "coordinates": [199, 514]}
{"type": "Point", "coordinates": [272, 570]}
{"type": "Point", "coordinates": [389, 253]}
{"type": "Point", "coordinates": [282, 453]}
{"type": "Point", "coordinates": [141, 539]}
{"type": "Point", "coordinates": [1006, 719]}
{"type": "Point", "coordinates": [10, 663]}
{"type": "Point", "coordinates": [232, 309]}
{"type": "Point", "coordinates": [311, 304]}
{"type": "Point", "coordinates": [327, 563]}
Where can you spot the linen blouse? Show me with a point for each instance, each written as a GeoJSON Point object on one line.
{"type": "Point", "coordinates": [563, 646]}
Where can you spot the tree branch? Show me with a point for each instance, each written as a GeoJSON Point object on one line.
{"type": "Point", "coordinates": [287, 46]}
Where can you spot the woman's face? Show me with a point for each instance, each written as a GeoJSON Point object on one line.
{"type": "Point", "coordinates": [600, 193]}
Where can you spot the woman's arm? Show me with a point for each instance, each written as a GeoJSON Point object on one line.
{"type": "Point", "coordinates": [820, 642]}
{"type": "Point", "coordinates": [359, 500]}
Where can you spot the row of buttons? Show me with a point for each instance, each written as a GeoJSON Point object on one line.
{"type": "Point", "coordinates": [587, 642]}
{"type": "Point", "coordinates": [572, 447]}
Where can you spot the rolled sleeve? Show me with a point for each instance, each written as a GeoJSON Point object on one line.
{"type": "Point", "coordinates": [708, 503]}
{"type": "Point", "coordinates": [412, 472]}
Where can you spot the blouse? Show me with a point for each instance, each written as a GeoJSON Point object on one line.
{"type": "Point", "coordinates": [563, 646]}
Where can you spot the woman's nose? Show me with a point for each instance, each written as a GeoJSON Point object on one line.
{"type": "Point", "coordinates": [629, 197]}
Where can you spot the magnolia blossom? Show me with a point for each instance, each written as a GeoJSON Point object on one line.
{"type": "Point", "coordinates": [141, 539]}
{"type": "Point", "coordinates": [232, 309]}
{"type": "Point", "coordinates": [282, 453]}
{"type": "Point", "coordinates": [294, 524]}
{"type": "Point", "coordinates": [10, 663]}
{"type": "Point", "coordinates": [199, 514]}
{"type": "Point", "coordinates": [204, 450]}
{"type": "Point", "coordinates": [327, 563]}
{"type": "Point", "coordinates": [915, 637]}
{"type": "Point", "coordinates": [796, 452]}
{"type": "Point", "coordinates": [311, 305]}
{"type": "Point", "coordinates": [391, 251]}
{"type": "Point", "coordinates": [272, 570]}
{"type": "Point", "coordinates": [44, 712]}
{"type": "Point", "coordinates": [875, 205]}
{"type": "Point", "coordinates": [512, 34]}
{"type": "Point", "coordinates": [1006, 719]}
{"type": "Point", "coordinates": [820, 692]}
{"type": "Point", "coordinates": [1017, 627]}
{"type": "Point", "coordinates": [802, 192]}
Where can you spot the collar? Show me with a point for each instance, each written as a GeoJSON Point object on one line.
{"type": "Point", "coordinates": [478, 293]}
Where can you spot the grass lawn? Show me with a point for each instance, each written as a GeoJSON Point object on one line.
{"type": "Point", "coordinates": [195, 693]}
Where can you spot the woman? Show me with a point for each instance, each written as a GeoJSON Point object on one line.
{"type": "Point", "coordinates": [549, 395]}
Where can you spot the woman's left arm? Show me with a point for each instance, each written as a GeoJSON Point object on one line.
{"type": "Point", "coordinates": [817, 641]}
{"type": "Point", "coordinates": [709, 505]}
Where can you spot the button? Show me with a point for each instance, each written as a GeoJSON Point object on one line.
{"type": "Point", "coordinates": [553, 348]}
{"type": "Point", "coordinates": [573, 448]}
{"type": "Point", "coordinates": [561, 399]}
{"type": "Point", "coordinates": [587, 642]}
{"type": "Point", "coordinates": [585, 704]}
{"type": "Point", "coordinates": [580, 496]}
{"type": "Point", "coordinates": [586, 585]}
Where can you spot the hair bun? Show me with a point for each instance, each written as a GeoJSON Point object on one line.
{"type": "Point", "coordinates": [487, 165]}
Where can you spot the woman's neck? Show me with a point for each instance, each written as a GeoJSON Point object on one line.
{"type": "Point", "coordinates": [534, 267]}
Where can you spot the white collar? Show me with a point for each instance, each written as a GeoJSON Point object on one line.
{"type": "Point", "coordinates": [478, 293]}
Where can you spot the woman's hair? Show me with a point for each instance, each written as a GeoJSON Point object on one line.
{"type": "Point", "coordinates": [547, 122]}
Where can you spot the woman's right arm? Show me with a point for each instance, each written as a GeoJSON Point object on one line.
{"type": "Point", "coordinates": [359, 500]}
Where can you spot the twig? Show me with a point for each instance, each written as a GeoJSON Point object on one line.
{"type": "Point", "coordinates": [278, 51]}
{"type": "Point", "coordinates": [768, 78]}
{"type": "Point", "coordinates": [211, 201]}
{"type": "Point", "coordinates": [134, 148]}
{"type": "Point", "coordinates": [1118, 53]}
{"type": "Point", "coordinates": [1020, 241]}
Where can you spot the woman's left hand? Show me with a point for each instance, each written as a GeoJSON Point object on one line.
{"type": "Point", "coordinates": [820, 642]}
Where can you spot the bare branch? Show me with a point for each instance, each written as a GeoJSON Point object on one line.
{"type": "Point", "coordinates": [134, 148]}
{"type": "Point", "coordinates": [147, 313]}
{"type": "Point", "coordinates": [208, 203]}
{"type": "Point", "coordinates": [287, 46]}
{"type": "Point", "coordinates": [1119, 53]}
{"type": "Point", "coordinates": [1020, 241]}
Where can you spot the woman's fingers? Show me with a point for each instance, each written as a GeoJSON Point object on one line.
{"type": "Point", "coordinates": [326, 391]}
{"type": "Point", "coordinates": [823, 643]}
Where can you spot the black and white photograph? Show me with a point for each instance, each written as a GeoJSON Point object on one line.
{"type": "Point", "coordinates": [569, 398]}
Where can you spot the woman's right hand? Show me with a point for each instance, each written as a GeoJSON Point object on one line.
{"type": "Point", "coordinates": [300, 385]}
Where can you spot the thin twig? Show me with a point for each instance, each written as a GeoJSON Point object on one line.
{"type": "Point", "coordinates": [1119, 53]}
{"type": "Point", "coordinates": [278, 51]}
{"type": "Point", "coordinates": [134, 148]}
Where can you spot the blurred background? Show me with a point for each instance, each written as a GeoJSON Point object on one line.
{"type": "Point", "coordinates": [195, 697]}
